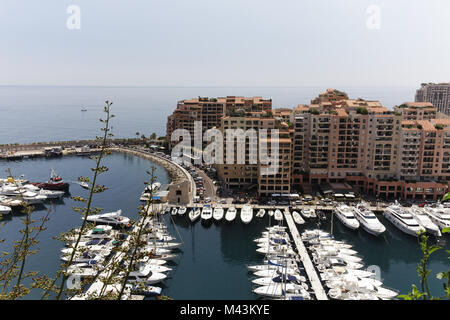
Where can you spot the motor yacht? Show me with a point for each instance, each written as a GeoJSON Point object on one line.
{"type": "Point", "coordinates": [368, 220]}
{"type": "Point", "coordinates": [111, 218]}
{"type": "Point", "coordinates": [278, 215]}
{"type": "Point", "coordinates": [4, 210]}
{"type": "Point", "coordinates": [261, 213]}
{"type": "Point", "coordinates": [308, 213]}
{"type": "Point", "coordinates": [231, 214]}
{"type": "Point", "coordinates": [425, 220]}
{"type": "Point", "coordinates": [297, 218]}
{"type": "Point", "coordinates": [345, 214]}
{"type": "Point", "coordinates": [206, 214]}
{"type": "Point", "coordinates": [182, 211]}
{"type": "Point", "coordinates": [440, 216]}
{"type": "Point", "coordinates": [246, 214]}
{"type": "Point", "coordinates": [218, 213]}
{"type": "Point", "coordinates": [194, 214]}
{"type": "Point", "coordinates": [402, 219]}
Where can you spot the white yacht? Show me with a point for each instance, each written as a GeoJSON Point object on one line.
{"type": "Point", "coordinates": [440, 216]}
{"type": "Point", "coordinates": [111, 218]}
{"type": "Point", "coordinates": [218, 213]}
{"type": "Point", "coordinates": [368, 220]}
{"type": "Point", "coordinates": [182, 210]}
{"type": "Point", "coordinates": [278, 215]}
{"type": "Point", "coordinates": [206, 213]}
{"type": "Point", "coordinates": [425, 220]}
{"type": "Point", "coordinates": [4, 210]}
{"type": "Point", "coordinates": [10, 202]}
{"type": "Point", "coordinates": [174, 211]}
{"type": "Point", "coordinates": [345, 214]}
{"type": "Point", "coordinates": [144, 274]}
{"type": "Point", "coordinates": [50, 194]}
{"type": "Point", "coordinates": [246, 214]}
{"type": "Point", "coordinates": [280, 290]}
{"type": "Point", "coordinates": [402, 219]}
{"type": "Point", "coordinates": [231, 214]}
{"type": "Point", "coordinates": [261, 213]}
{"type": "Point", "coordinates": [194, 214]}
{"type": "Point", "coordinates": [308, 213]}
{"type": "Point", "coordinates": [297, 218]}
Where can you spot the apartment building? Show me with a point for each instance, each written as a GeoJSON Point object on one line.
{"type": "Point", "coordinates": [210, 112]}
{"type": "Point", "coordinates": [416, 111]}
{"type": "Point", "coordinates": [404, 153]}
{"type": "Point", "coordinates": [246, 170]}
{"type": "Point", "coordinates": [436, 93]}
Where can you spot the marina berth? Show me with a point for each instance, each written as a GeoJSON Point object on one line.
{"type": "Point", "coordinates": [345, 214]}
{"type": "Point", "coordinates": [368, 220]}
{"type": "Point", "coordinates": [402, 219]}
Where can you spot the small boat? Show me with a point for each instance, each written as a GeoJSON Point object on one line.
{"type": "Point", "coordinates": [194, 214]}
{"type": "Point", "coordinates": [345, 214]}
{"type": "Point", "coordinates": [297, 218]}
{"type": "Point", "coordinates": [174, 211]}
{"type": "Point", "coordinates": [246, 214]}
{"type": "Point", "coordinates": [84, 185]}
{"type": "Point", "coordinates": [111, 218]}
{"type": "Point", "coordinates": [4, 210]}
{"type": "Point", "coordinates": [308, 213]}
{"type": "Point", "coordinates": [270, 213]}
{"type": "Point", "coordinates": [425, 221]}
{"type": "Point", "coordinates": [145, 275]}
{"type": "Point", "coordinates": [368, 220]}
{"type": "Point", "coordinates": [261, 213]}
{"type": "Point", "coordinates": [218, 214]}
{"type": "Point", "coordinates": [402, 219]}
{"type": "Point", "coordinates": [182, 210]}
{"type": "Point", "coordinates": [278, 215]}
{"type": "Point", "coordinates": [206, 213]}
{"type": "Point", "coordinates": [54, 183]}
{"type": "Point", "coordinates": [275, 272]}
{"type": "Point", "coordinates": [145, 290]}
{"type": "Point", "coordinates": [280, 290]}
{"type": "Point", "coordinates": [231, 214]}
{"type": "Point", "coordinates": [266, 281]}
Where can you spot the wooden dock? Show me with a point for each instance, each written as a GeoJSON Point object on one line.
{"type": "Point", "coordinates": [316, 285]}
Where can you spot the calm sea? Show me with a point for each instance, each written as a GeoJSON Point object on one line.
{"type": "Point", "coordinates": [31, 114]}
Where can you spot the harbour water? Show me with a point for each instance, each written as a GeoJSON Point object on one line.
{"type": "Point", "coordinates": [39, 114]}
{"type": "Point", "coordinates": [213, 261]}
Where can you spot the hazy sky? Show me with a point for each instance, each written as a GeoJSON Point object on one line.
{"type": "Point", "coordinates": [225, 43]}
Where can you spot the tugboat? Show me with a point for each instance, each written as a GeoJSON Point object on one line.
{"type": "Point", "coordinates": [55, 183]}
